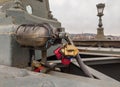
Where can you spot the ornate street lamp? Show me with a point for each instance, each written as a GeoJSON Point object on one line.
{"type": "Point", "coordinates": [100, 8]}
{"type": "Point", "coordinates": [100, 32]}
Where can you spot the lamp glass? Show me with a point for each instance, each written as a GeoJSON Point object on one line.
{"type": "Point", "coordinates": [100, 8]}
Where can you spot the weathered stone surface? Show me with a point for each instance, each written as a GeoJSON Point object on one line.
{"type": "Point", "coordinates": [13, 77]}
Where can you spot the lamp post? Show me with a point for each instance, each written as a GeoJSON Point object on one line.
{"type": "Point", "coordinates": [100, 29]}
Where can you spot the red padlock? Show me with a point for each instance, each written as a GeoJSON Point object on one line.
{"type": "Point", "coordinates": [39, 69]}
{"type": "Point", "coordinates": [65, 61]}
{"type": "Point", "coordinates": [57, 53]}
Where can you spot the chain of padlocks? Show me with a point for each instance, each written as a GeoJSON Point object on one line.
{"type": "Point", "coordinates": [64, 53]}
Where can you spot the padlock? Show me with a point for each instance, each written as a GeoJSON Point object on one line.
{"type": "Point", "coordinates": [57, 53]}
{"type": "Point", "coordinates": [37, 66]}
{"type": "Point", "coordinates": [69, 50]}
{"type": "Point", "coordinates": [39, 69]}
{"type": "Point", "coordinates": [65, 61]}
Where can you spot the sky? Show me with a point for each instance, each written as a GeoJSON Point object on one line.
{"type": "Point", "coordinates": [80, 16]}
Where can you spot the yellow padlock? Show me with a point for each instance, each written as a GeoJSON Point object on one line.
{"type": "Point", "coordinates": [70, 50]}
{"type": "Point", "coordinates": [36, 64]}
